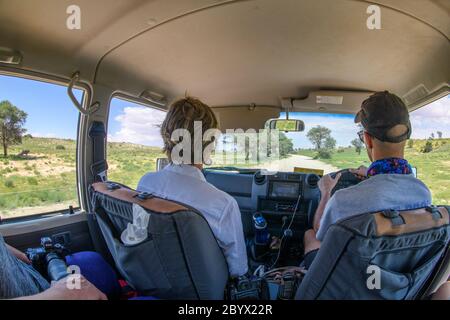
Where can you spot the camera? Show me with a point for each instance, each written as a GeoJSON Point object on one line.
{"type": "Point", "coordinates": [48, 259]}
{"type": "Point", "coordinates": [248, 288]}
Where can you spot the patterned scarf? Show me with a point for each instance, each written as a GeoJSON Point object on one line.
{"type": "Point", "coordinates": [389, 165]}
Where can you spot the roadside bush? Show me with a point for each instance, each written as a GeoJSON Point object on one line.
{"type": "Point", "coordinates": [323, 154]}
{"type": "Point", "coordinates": [428, 147]}
{"type": "Point", "coordinates": [341, 150]}
{"type": "Point", "coordinates": [32, 181]}
{"type": "Point", "coordinates": [9, 184]}
{"type": "Point", "coordinates": [60, 147]}
{"type": "Point", "coordinates": [410, 143]}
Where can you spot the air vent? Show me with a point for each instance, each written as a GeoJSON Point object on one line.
{"type": "Point", "coordinates": [415, 94]}
{"type": "Point", "coordinates": [312, 180]}
{"type": "Point", "coordinates": [259, 178]}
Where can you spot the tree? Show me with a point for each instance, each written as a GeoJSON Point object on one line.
{"type": "Point", "coordinates": [286, 145]}
{"type": "Point", "coordinates": [357, 143]}
{"type": "Point", "coordinates": [410, 143]}
{"type": "Point", "coordinates": [318, 136]}
{"type": "Point", "coordinates": [12, 120]}
{"type": "Point", "coordinates": [432, 135]}
{"type": "Point", "coordinates": [330, 143]}
{"type": "Point", "coordinates": [439, 133]}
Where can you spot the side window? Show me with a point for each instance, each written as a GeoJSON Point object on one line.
{"type": "Point", "coordinates": [38, 130]}
{"type": "Point", "coordinates": [429, 148]}
{"type": "Point", "coordinates": [134, 141]}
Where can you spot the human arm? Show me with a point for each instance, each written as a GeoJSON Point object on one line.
{"type": "Point", "coordinates": [18, 254]}
{"type": "Point", "coordinates": [61, 291]}
{"type": "Point", "coordinates": [230, 236]}
{"type": "Point", "coordinates": [326, 184]}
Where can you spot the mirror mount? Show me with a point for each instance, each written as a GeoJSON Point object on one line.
{"type": "Point", "coordinates": [288, 107]}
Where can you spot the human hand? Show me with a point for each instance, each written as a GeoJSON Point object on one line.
{"type": "Point", "coordinates": [327, 183]}
{"type": "Point", "coordinates": [361, 172]}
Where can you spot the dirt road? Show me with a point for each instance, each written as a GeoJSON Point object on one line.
{"type": "Point", "coordinates": [289, 163]}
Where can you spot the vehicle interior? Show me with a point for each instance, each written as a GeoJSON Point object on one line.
{"type": "Point", "coordinates": [252, 61]}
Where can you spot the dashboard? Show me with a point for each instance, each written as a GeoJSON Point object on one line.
{"type": "Point", "coordinates": [275, 197]}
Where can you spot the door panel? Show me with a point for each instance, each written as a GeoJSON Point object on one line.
{"type": "Point", "coordinates": [28, 234]}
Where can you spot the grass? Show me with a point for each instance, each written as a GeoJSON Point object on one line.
{"type": "Point", "coordinates": [433, 168]}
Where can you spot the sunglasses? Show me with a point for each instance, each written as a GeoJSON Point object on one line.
{"type": "Point", "coordinates": [361, 135]}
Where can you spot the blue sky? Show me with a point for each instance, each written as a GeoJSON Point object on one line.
{"type": "Point", "coordinates": [51, 114]}
{"type": "Point", "coordinates": [50, 111]}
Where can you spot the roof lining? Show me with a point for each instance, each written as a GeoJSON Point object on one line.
{"type": "Point", "coordinates": [228, 2]}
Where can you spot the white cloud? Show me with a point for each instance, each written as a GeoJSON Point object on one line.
{"type": "Point", "coordinates": [139, 125]}
{"type": "Point", "coordinates": [431, 118]}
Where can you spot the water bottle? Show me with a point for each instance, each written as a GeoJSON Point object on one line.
{"type": "Point", "coordinates": [262, 236]}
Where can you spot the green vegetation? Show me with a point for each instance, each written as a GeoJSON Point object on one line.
{"type": "Point", "coordinates": [40, 173]}
{"type": "Point", "coordinates": [433, 167]}
{"type": "Point", "coordinates": [30, 176]}
{"type": "Point", "coordinates": [129, 162]}
{"type": "Point", "coordinates": [323, 142]}
{"type": "Point", "coordinates": [12, 120]}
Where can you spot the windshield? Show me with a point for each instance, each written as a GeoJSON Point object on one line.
{"type": "Point", "coordinates": [330, 143]}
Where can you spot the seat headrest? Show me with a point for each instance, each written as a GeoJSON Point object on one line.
{"type": "Point", "coordinates": [392, 223]}
{"type": "Point", "coordinates": [152, 203]}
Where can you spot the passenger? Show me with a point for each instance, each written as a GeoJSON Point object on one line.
{"type": "Point", "coordinates": [184, 182]}
{"type": "Point", "coordinates": [19, 280]}
{"type": "Point", "coordinates": [388, 183]}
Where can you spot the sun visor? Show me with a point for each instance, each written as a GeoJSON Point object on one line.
{"type": "Point", "coordinates": [328, 101]}
{"type": "Point", "coordinates": [245, 117]}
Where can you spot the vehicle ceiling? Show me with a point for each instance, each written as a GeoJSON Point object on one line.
{"type": "Point", "coordinates": [237, 53]}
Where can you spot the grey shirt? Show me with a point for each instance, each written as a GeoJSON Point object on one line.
{"type": "Point", "coordinates": [377, 193]}
{"type": "Point", "coordinates": [18, 279]}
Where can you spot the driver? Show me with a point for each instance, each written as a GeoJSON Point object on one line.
{"type": "Point", "coordinates": [183, 181]}
{"type": "Point", "coordinates": [388, 182]}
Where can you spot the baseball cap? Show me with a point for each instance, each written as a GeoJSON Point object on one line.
{"type": "Point", "coordinates": [381, 112]}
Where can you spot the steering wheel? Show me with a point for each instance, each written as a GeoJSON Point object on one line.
{"type": "Point", "coordinates": [346, 180]}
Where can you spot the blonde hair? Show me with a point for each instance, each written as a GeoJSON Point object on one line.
{"type": "Point", "coordinates": [181, 115]}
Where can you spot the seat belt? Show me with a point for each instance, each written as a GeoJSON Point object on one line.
{"type": "Point", "coordinates": [99, 165]}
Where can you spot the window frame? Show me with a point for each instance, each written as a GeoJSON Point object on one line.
{"type": "Point", "coordinates": [87, 95]}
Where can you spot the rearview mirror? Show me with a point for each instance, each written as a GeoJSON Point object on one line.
{"type": "Point", "coordinates": [287, 125]}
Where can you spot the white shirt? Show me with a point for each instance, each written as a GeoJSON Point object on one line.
{"type": "Point", "coordinates": [186, 184]}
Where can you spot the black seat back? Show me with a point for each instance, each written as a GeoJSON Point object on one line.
{"type": "Point", "coordinates": [180, 258]}
{"type": "Point", "coordinates": [383, 255]}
